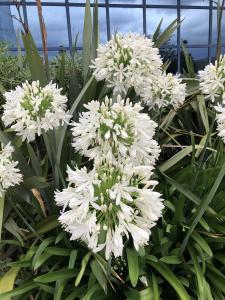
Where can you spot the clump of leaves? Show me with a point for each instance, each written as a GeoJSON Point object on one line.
{"type": "Point", "coordinates": [66, 66]}
{"type": "Point", "coordinates": [13, 70]}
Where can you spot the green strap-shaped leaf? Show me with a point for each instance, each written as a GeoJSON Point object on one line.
{"type": "Point", "coordinates": [87, 39]}
{"type": "Point", "coordinates": [203, 206]}
{"type": "Point", "coordinates": [171, 278]}
{"type": "Point", "coordinates": [99, 275]}
{"type": "Point", "coordinates": [7, 281]}
{"type": "Point", "coordinates": [34, 60]}
{"type": "Point", "coordinates": [133, 266]}
{"type": "Point", "coordinates": [57, 275]}
{"type": "Point", "coordinates": [42, 248]}
{"type": "Point", "coordinates": [83, 267]}
{"type": "Point", "coordinates": [22, 289]}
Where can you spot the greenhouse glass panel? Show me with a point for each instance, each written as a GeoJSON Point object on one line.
{"type": "Point", "coordinates": [126, 20]}
{"type": "Point", "coordinates": [192, 30]}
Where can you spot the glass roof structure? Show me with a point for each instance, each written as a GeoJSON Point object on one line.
{"type": "Point", "coordinates": [64, 20]}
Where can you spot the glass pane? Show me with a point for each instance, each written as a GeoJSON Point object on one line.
{"type": "Point", "coordinates": [56, 24]}
{"type": "Point", "coordinates": [102, 25]}
{"type": "Point", "coordinates": [34, 25]}
{"type": "Point", "coordinates": [214, 28]}
{"type": "Point", "coordinates": [57, 34]}
{"type": "Point", "coordinates": [126, 20]}
{"type": "Point", "coordinates": [153, 17]}
{"type": "Point", "coordinates": [84, 1]}
{"type": "Point", "coordinates": [9, 25]}
{"type": "Point", "coordinates": [46, 1]}
{"type": "Point", "coordinates": [195, 26]}
{"type": "Point", "coordinates": [199, 56]}
{"type": "Point", "coordinates": [163, 2]}
{"type": "Point", "coordinates": [77, 23]}
{"type": "Point", "coordinates": [195, 2]}
{"type": "Point", "coordinates": [126, 1]}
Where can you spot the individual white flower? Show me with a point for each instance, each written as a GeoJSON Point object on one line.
{"type": "Point", "coordinates": [212, 80]}
{"type": "Point", "coordinates": [166, 90]}
{"type": "Point", "coordinates": [116, 131]}
{"type": "Point", "coordinates": [9, 174]}
{"type": "Point", "coordinates": [220, 116]}
{"type": "Point", "coordinates": [31, 109]}
{"type": "Point", "coordinates": [122, 205]}
{"type": "Point", "coordinates": [125, 61]}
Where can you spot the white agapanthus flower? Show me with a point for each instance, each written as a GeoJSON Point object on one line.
{"type": "Point", "coordinates": [220, 117]}
{"type": "Point", "coordinates": [31, 109]}
{"type": "Point", "coordinates": [116, 132]}
{"type": "Point", "coordinates": [9, 173]}
{"type": "Point", "coordinates": [165, 90]}
{"type": "Point", "coordinates": [125, 61]}
{"type": "Point", "coordinates": [110, 202]}
{"type": "Point", "coordinates": [212, 80]}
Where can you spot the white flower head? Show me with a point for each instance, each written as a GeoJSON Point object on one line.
{"type": "Point", "coordinates": [116, 132]}
{"type": "Point", "coordinates": [9, 173]}
{"type": "Point", "coordinates": [165, 90]}
{"type": "Point", "coordinates": [212, 79]}
{"type": "Point", "coordinates": [31, 109]}
{"type": "Point", "coordinates": [125, 61]}
{"type": "Point", "coordinates": [110, 202]}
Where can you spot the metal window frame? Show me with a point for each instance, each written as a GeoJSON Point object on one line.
{"type": "Point", "coordinates": [142, 5]}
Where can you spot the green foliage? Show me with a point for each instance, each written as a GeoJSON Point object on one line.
{"type": "Point", "coordinates": [185, 258]}
{"type": "Point", "coordinates": [13, 70]}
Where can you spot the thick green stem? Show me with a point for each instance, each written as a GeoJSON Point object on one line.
{"type": "Point", "coordinates": [2, 202]}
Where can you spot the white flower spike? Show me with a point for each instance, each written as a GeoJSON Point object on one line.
{"type": "Point", "coordinates": [9, 173]}
{"type": "Point", "coordinates": [212, 80]}
{"type": "Point", "coordinates": [31, 110]}
{"type": "Point", "coordinates": [166, 90]}
{"type": "Point", "coordinates": [116, 132]}
{"type": "Point", "coordinates": [125, 61]}
{"type": "Point", "coordinates": [103, 206]}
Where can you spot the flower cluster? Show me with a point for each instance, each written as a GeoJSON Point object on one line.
{"type": "Point", "coordinates": [116, 131]}
{"type": "Point", "coordinates": [132, 61]}
{"type": "Point", "coordinates": [167, 90]}
{"type": "Point", "coordinates": [212, 80]}
{"type": "Point", "coordinates": [108, 203]}
{"type": "Point", "coordinates": [31, 109]}
{"type": "Point", "coordinates": [116, 199]}
{"type": "Point", "coordinates": [9, 174]}
{"type": "Point", "coordinates": [125, 61]}
{"type": "Point", "coordinates": [212, 85]}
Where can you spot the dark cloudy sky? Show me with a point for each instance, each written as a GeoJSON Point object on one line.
{"type": "Point", "coordinates": [194, 29]}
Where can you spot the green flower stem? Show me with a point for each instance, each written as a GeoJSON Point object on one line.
{"type": "Point", "coordinates": [2, 202]}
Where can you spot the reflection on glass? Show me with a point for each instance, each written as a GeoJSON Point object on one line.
{"type": "Point", "coordinates": [9, 26]}
{"type": "Point", "coordinates": [56, 25]}
{"type": "Point", "coordinates": [195, 2]}
{"type": "Point", "coordinates": [126, 20]}
{"type": "Point", "coordinates": [199, 57]}
{"type": "Point", "coordinates": [214, 30]}
{"type": "Point", "coordinates": [195, 26]}
{"type": "Point", "coordinates": [153, 17]}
